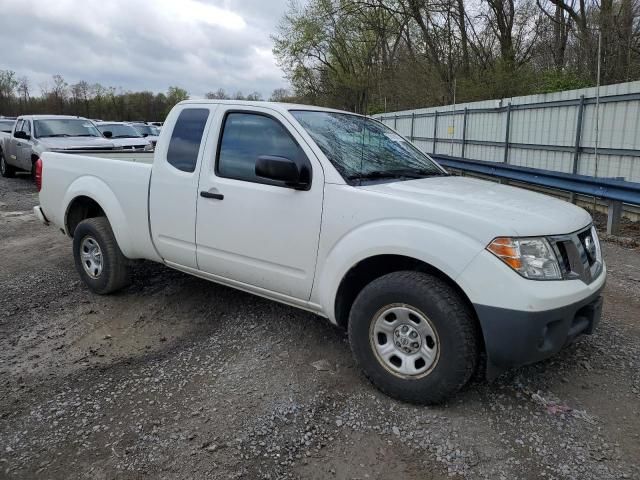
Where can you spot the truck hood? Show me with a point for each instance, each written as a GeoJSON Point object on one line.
{"type": "Point", "coordinates": [505, 210]}
{"type": "Point", "coordinates": [128, 143]}
{"type": "Point", "coordinates": [75, 143]}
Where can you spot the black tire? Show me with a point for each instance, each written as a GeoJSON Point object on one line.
{"type": "Point", "coordinates": [115, 266]}
{"type": "Point", "coordinates": [6, 170]}
{"type": "Point", "coordinates": [32, 172]}
{"type": "Point", "coordinates": [448, 315]}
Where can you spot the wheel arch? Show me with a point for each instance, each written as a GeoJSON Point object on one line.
{"type": "Point", "coordinates": [79, 209]}
{"type": "Point", "coordinates": [368, 269]}
{"type": "Point", "coordinates": [89, 197]}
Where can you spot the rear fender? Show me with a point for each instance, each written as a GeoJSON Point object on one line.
{"type": "Point", "coordinates": [99, 191]}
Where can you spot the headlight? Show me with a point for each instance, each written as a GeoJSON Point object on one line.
{"type": "Point", "coordinates": [595, 251]}
{"type": "Point", "coordinates": [531, 257]}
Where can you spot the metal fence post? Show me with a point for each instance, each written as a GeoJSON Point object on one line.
{"type": "Point", "coordinates": [464, 132]}
{"type": "Point", "coordinates": [413, 119]}
{"type": "Point", "coordinates": [576, 150]}
{"type": "Point", "coordinates": [614, 215]}
{"type": "Point", "coordinates": [506, 135]}
{"type": "Point", "coordinates": [435, 131]}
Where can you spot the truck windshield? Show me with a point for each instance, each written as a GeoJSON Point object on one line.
{"type": "Point", "coordinates": [363, 149]}
{"type": "Point", "coordinates": [120, 130]}
{"type": "Point", "coordinates": [145, 129]}
{"type": "Point", "coordinates": [6, 125]}
{"type": "Point", "coordinates": [65, 127]}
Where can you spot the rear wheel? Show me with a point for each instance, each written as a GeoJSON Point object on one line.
{"type": "Point", "coordinates": [99, 261]}
{"type": "Point", "coordinates": [6, 170]}
{"type": "Point", "coordinates": [414, 337]}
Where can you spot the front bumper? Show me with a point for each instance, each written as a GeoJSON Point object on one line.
{"type": "Point", "coordinates": [514, 338]}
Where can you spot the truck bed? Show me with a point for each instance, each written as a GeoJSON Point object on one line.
{"type": "Point", "coordinates": [118, 182]}
{"type": "Point", "coordinates": [123, 155]}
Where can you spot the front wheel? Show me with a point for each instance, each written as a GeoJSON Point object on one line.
{"type": "Point", "coordinates": [414, 337]}
{"type": "Point", "coordinates": [99, 261]}
{"type": "Point", "coordinates": [6, 170]}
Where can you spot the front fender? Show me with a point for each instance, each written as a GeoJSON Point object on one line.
{"type": "Point", "coordinates": [37, 149]}
{"type": "Point", "coordinates": [97, 190]}
{"type": "Point", "coordinates": [450, 251]}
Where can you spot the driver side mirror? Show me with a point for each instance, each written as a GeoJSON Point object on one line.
{"type": "Point", "coordinates": [22, 135]}
{"type": "Point", "coordinates": [107, 134]}
{"type": "Point", "coordinates": [281, 169]}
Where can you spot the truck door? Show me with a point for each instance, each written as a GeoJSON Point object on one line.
{"type": "Point", "coordinates": [251, 230]}
{"type": "Point", "coordinates": [23, 147]}
{"type": "Point", "coordinates": [173, 191]}
{"type": "Point", "coordinates": [13, 145]}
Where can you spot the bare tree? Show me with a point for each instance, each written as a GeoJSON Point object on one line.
{"type": "Point", "coordinates": [24, 87]}
{"type": "Point", "coordinates": [279, 95]}
{"type": "Point", "coordinates": [8, 84]}
{"type": "Point", "coordinates": [219, 94]}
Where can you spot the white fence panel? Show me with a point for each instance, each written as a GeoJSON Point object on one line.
{"type": "Point", "coordinates": [542, 130]}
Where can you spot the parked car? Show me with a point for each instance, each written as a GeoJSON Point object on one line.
{"type": "Point", "coordinates": [124, 136]}
{"type": "Point", "coordinates": [6, 125]}
{"type": "Point", "coordinates": [33, 135]}
{"type": "Point", "coordinates": [337, 214]}
{"type": "Point", "coordinates": [148, 131]}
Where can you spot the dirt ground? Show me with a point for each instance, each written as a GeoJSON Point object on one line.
{"type": "Point", "coordinates": [176, 377]}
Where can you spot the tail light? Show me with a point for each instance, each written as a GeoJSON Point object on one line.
{"type": "Point", "coordinates": [38, 174]}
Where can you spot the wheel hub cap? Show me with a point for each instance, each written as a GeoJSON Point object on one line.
{"type": "Point", "coordinates": [404, 341]}
{"type": "Point", "coordinates": [91, 257]}
{"type": "Point", "coordinates": [407, 339]}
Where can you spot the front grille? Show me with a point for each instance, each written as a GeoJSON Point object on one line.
{"type": "Point", "coordinates": [579, 254]}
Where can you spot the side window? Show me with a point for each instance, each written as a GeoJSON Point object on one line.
{"type": "Point", "coordinates": [19, 125]}
{"type": "Point", "coordinates": [26, 126]}
{"type": "Point", "coordinates": [186, 138]}
{"type": "Point", "coordinates": [245, 137]}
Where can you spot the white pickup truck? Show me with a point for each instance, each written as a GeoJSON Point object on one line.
{"type": "Point", "coordinates": [337, 214]}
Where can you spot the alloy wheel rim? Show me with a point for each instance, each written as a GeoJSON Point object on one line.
{"type": "Point", "coordinates": [91, 257]}
{"type": "Point", "coordinates": [404, 341]}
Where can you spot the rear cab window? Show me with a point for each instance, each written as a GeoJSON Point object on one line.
{"type": "Point", "coordinates": [186, 138]}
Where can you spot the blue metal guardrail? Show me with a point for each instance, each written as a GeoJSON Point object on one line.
{"type": "Point", "coordinates": [606, 188]}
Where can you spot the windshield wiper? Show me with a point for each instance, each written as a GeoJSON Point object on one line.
{"type": "Point", "coordinates": [84, 135]}
{"type": "Point", "coordinates": [374, 174]}
{"type": "Point", "coordinates": [424, 172]}
{"type": "Point", "coordinates": [55, 135]}
{"type": "Point", "coordinates": [404, 173]}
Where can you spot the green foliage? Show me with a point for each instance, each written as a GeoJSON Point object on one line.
{"type": "Point", "coordinates": [385, 55]}
{"type": "Point", "coordinates": [557, 81]}
{"type": "Point", "coordinates": [375, 109]}
{"type": "Point", "coordinates": [328, 51]}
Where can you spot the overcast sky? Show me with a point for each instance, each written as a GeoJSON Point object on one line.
{"type": "Point", "coordinates": [199, 45]}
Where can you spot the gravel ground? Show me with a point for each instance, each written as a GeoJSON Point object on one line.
{"type": "Point", "coordinates": [176, 377]}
